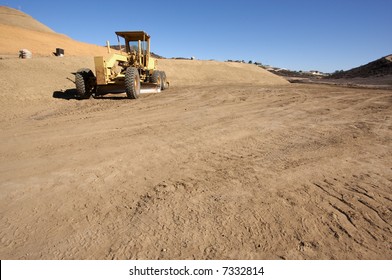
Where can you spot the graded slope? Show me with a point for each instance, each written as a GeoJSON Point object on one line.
{"type": "Point", "coordinates": [20, 31]}
{"type": "Point", "coordinates": [13, 17]}
{"type": "Point", "coordinates": [13, 39]}
{"type": "Point", "coordinates": [198, 72]}
{"type": "Point", "coordinates": [25, 80]}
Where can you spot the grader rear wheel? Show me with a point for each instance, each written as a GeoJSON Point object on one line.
{"type": "Point", "coordinates": [132, 83]}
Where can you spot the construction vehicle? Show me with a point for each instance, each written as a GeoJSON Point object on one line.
{"type": "Point", "coordinates": [132, 72]}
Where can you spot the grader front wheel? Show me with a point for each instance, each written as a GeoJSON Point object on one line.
{"type": "Point", "coordinates": [159, 78]}
{"type": "Point", "coordinates": [85, 82]}
{"type": "Point", "coordinates": [156, 78]}
{"type": "Point", "coordinates": [165, 84]}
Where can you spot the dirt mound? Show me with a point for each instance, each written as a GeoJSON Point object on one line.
{"type": "Point", "coordinates": [25, 80]}
{"type": "Point", "coordinates": [13, 17]}
{"type": "Point", "coordinates": [13, 38]}
{"type": "Point", "coordinates": [197, 72]}
{"type": "Point", "coordinates": [21, 31]}
{"type": "Point", "coordinates": [377, 68]}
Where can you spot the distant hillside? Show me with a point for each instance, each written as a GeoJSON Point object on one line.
{"type": "Point", "coordinates": [377, 68]}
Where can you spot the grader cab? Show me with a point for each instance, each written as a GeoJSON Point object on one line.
{"type": "Point", "coordinates": [133, 70]}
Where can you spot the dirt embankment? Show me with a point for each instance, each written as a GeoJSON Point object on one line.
{"type": "Point", "coordinates": [13, 17]}
{"type": "Point", "coordinates": [26, 80]}
{"type": "Point", "coordinates": [39, 43]}
{"type": "Point", "coordinates": [20, 31]}
{"type": "Point", "coordinates": [194, 72]}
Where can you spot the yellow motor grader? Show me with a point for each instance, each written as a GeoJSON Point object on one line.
{"type": "Point", "coordinates": [119, 72]}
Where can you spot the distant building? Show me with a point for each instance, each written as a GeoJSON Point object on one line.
{"type": "Point", "coordinates": [317, 73]}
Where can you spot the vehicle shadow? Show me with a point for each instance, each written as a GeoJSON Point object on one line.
{"type": "Point", "coordinates": [67, 94]}
{"type": "Point", "coordinates": [72, 94]}
{"type": "Point", "coordinates": [111, 96]}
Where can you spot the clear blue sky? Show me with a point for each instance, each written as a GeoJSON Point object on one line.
{"type": "Point", "coordinates": [325, 35]}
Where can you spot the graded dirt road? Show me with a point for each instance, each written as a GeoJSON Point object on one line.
{"type": "Point", "coordinates": [209, 169]}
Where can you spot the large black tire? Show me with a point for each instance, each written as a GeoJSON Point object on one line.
{"type": "Point", "coordinates": [156, 78]}
{"type": "Point", "coordinates": [132, 83]}
{"type": "Point", "coordinates": [85, 82]}
{"type": "Point", "coordinates": [164, 81]}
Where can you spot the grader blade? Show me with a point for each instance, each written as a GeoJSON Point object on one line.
{"type": "Point", "coordinates": [149, 88]}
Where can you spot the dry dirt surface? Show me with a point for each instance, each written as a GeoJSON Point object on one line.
{"type": "Point", "coordinates": [231, 162]}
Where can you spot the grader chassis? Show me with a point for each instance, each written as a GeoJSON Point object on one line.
{"type": "Point", "coordinates": [119, 72]}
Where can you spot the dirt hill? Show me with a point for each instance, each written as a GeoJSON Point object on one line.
{"type": "Point", "coordinates": [20, 31]}
{"type": "Point", "coordinates": [375, 74]}
{"type": "Point", "coordinates": [196, 72]}
{"type": "Point", "coordinates": [26, 80]}
{"type": "Point", "coordinates": [44, 75]}
{"type": "Point", "coordinates": [13, 17]}
{"type": "Point", "coordinates": [377, 68]}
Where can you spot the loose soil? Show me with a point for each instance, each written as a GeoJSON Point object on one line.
{"type": "Point", "coordinates": [213, 168]}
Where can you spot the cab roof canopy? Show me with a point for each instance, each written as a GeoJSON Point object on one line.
{"type": "Point", "coordinates": [133, 35]}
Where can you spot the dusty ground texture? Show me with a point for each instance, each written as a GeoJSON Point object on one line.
{"type": "Point", "coordinates": [213, 168]}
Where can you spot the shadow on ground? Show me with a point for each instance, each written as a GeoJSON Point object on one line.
{"type": "Point", "coordinates": [67, 95]}
{"type": "Point", "coordinates": [73, 94]}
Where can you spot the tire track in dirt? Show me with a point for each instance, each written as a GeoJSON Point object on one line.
{"type": "Point", "coordinates": [355, 211]}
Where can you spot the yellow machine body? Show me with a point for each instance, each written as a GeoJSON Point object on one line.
{"type": "Point", "coordinates": [125, 70]}
{"type": "Point", "coordinates": [109, 69]}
